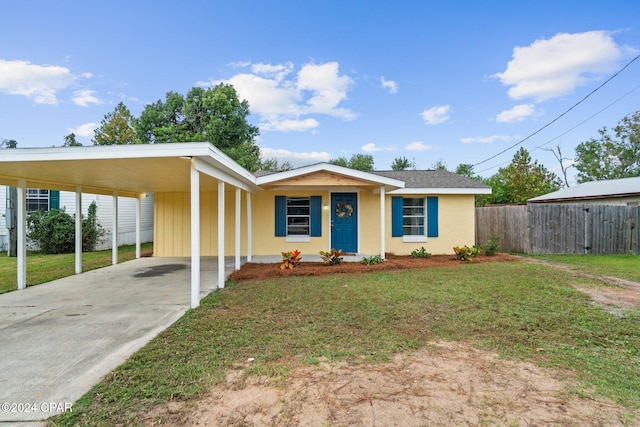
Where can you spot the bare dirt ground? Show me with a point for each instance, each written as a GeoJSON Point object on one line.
{"type": "Point", "coordinates": [443, 384]}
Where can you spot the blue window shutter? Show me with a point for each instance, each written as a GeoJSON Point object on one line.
{"type": "Point", "coordinates": [316, 216]}
{"type": "Point", "coordinates": [396, 216]}
{"type": "Point", "coordinates": [432, 217]}
{"type": "Point", "coordinates": [281, 216]}
{"type": "Point", "coordinates": [54, 199]}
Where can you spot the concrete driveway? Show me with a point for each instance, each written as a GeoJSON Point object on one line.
{"type": "Point", "coordinates": [60, 338]}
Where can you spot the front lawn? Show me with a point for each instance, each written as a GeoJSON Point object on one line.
{"type": "Point", "coordinates": [521, 310]}
{"type": "Point", "coordinates": [621, 266]}
{"type": "Point", "coordinates": [45, 268]}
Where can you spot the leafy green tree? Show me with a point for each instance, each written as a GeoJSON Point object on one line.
{"type": "Point", "coordinates": [272, 164]}
{"type": "Point", "coordinates": [361, 162]}
{"type": "Point", "coordinates": [439, 165]}
{"type": "Point", "coordinates": [611, 156]}
{"type": "Point", "coordinates": [215, 115]}
{"type": "Point", "coordinates": [116, 128]}
{"type": "Point", "coordinates": [70, 141]}
{"type": "Point", "coordinates": [466, 169]}
{"type": "Point", "coordinates": [402, 163]}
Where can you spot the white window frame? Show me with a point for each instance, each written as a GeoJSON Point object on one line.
{"type": "Point", "coordinates": [38, 195]}
{"type": "Point", "coordinates": [415, 238]}
{"type": "Point", "coordinates": [298, 237]}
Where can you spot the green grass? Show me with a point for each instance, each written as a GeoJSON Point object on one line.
{"type": "Point", "coordinates": [523, 311]}
{"type": "Point", "coordinates": [45, 268]}
{"type": "Point", "coordinates": [622, 266]}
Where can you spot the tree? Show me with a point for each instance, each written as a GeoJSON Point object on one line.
{"type": "Point", "coordinates": [272, 164]}
{"type": "Point", "coordinates": [215, 115]}
{"type": "Point", "coordinates": [402, 163]}
{"type": "Point", "coordinates": [557, 153]}
{"type": "Point", "coordinates": [466, 169]}
{"type": "Point", "coordinates": [439, 165]}
{"type": "Point", "coordinates": [520, 181]}
{"type": "Point", "coordinates": [116, 128]}
{"type": "Point", "coordinates": [361, 162]}
{"type": "Point", "coordinates": [611, 157]}
{"type": "Point", "coordinates": [70, 141]}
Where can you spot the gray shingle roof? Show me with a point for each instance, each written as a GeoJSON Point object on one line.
{"type": "Point", "coordinates": [595, 190]}
{"type": "Point", "coordinates": [431, 179]}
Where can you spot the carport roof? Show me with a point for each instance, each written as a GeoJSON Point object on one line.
{"type": "Point", "coordinates": [129, 170]}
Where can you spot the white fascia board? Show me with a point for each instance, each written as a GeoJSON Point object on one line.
{"type": "Point", "coordinates": [319, 167]}
{"type": "Point", "coordinates": [101, 152]}
{"type": "Point", "coordinates": [207, 168]}
{"type": "Point", "coordinates": [49, 185]}
{"type": "Point", "coordinates": [441, 191]}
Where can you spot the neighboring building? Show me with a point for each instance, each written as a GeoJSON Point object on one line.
{"type": "Point", "coordinates": [623, 192]}
{"type": "Point", "coordinates": [40, 199]}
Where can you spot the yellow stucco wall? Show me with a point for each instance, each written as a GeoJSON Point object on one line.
{"type": "Point", "coordinates": [173, 221]}
{"type": "Point", "coordinates": [456, 226]}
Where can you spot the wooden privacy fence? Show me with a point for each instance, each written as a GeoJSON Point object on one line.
{"type": "Point", "coordinates": [561, 228]}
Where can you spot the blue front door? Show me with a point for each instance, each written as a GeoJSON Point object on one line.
{"type": "Point", "coordinates": [344, 222]}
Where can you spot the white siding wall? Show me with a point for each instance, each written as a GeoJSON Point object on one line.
{"type": "Point", "coordinates": [126, 216]}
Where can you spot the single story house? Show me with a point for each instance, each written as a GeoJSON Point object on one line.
{"type": "Point", "coordinates": [622, 192]}
{"type": "Point", "coordinates": [44, 199]}
{"type": "Point", "coordinates": [205, 204]}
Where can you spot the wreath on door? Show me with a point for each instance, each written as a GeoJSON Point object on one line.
{"type": "Point", "coordinates": [344, 209]}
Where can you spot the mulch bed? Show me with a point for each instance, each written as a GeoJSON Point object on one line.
{"type": "Point", "coordinates": [257, 271]}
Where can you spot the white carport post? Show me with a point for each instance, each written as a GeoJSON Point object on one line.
{"type": "Point", "coordinates": [237, 265]}
{"type": "Point", "coordinates": [195, 236]}
{"type": "Point", "coordinates": [382, 222]}
{"type": "Point", "coordinates": [78, 230]}
{"type": "Point", "coordinates": [220, 234]}
{"type": "Point", "coordinates": [138, 225]}
{"type": "Point", "coordinates": [249, 225]}
{"type": "Point", "coordinates": [114, 230]}
{"type": "Point", "coordinates": [21, 216]}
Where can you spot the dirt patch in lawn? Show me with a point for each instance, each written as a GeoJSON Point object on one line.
{"type": "Point", "coordinates": [259, 271]}
{"type": "Point", "coordinates": [441, 385]}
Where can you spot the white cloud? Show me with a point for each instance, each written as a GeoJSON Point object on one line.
{"type": "Point", "coordinates": [418, 146]}
{"type": "Point", "coordinates": [284, 98]}
{"type": "Point", "coordinates": [295, 158]}
{"type": "Point", "coordinates": [485, 139]}
{"type": "Point", "coordinates": [517, 114]}
{"type": "Point", "coordinates": [371, 148]}
{"type": "Point", "coordinates": [389, 84]}
{"type": "Point", "coordinates": [549, 68]}
{"type": "Point", "coordinates": [37, 82]}
{"type": "Point", "coordinates": [436, 115]}
{"type": "Point", "coordinates": [290, 125]}
{"type": "Point", "coordinates": [84, 97]}
{"type": "Point", "coordinates": [85, 130]}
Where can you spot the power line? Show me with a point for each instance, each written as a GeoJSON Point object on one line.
{"type": "Point", "coordinates": [561, 115]}
{"type": "Point", "coordinates": [573, 128]}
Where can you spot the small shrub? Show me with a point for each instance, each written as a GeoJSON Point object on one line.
{"type": "Point", "coordinates": [466, 253]}
{"type": "Point", "coordinates": [374, 259]}
{"type": "Point", "coordinates": [332, 257]}
{"type": "Point", "coordinates": [53, 232]}
{"type": "Point", "coordinates": [290, 260]}
{"type": "Point", "coordinates": [420, 253]}
{"type": "Point", "coordinates": [491, 246]}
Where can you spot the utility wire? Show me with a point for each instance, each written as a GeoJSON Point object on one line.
{"type": "Point", "coordinates": [571, 129]}
{"type": "Point", "coordinates": [560, 116]}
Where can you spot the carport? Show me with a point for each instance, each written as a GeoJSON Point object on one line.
{"type": "Point", "coordinates": [133, 171]}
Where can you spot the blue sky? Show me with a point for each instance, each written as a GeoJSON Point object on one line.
{"type": "Point", "coordinates": [450, 81]}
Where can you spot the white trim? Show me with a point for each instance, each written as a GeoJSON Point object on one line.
{"type": "Point", "coordinates": [382, 221]}
{"type": "Point", "coordinates": [249, 227]}
{"type": "Point", "coordinates": [195, 236]}
{"type": "Point", "coordinates": [78, 236]}
{"type": "Point", "coordinates": [218, 173]}
{"type": "Point", "coordinates": [328, 167]}
{"type": "Point", "coordinates": [22, 233]}
{"type": "Point", "coordinates": [298, 239]}
{"type": "Point", "coordinates": [237, 242]}
{"type": "Point", "coordinates": [114, 230]}
{"type": "Point", "coordinates": [138, 224]}
{"type": "Point", "coordinates": [221, 274]}
{"type": "Point", "coordinates": [414, 239]}
{"type": "Point", "coordinates": [440, 190]}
